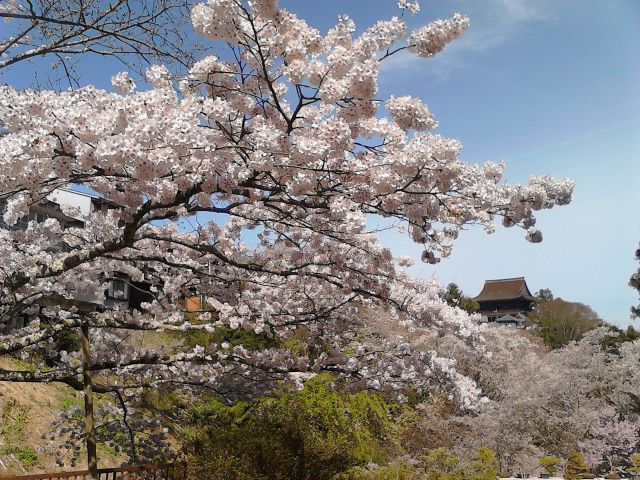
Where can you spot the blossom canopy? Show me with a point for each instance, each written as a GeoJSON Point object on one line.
{"type": "Point", "coordinates": [250, 182]}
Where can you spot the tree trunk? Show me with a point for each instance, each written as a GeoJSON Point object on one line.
{"type": "Point", "coordinates": [92, 462]}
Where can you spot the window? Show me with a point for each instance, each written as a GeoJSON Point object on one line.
{"type": "Point", "coordinates": [23, 223]}
{"type": "Point", "coordinates": [118, 289]}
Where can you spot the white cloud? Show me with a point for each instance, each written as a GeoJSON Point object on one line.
{"type": "Point", "coordinates": [493, 23]}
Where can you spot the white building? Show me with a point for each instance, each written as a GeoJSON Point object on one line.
{"type": "Point", "coordinates": [71, 208]}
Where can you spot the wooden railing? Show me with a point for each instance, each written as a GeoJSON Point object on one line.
{"type": "Point", "coordinates": [162, 471]}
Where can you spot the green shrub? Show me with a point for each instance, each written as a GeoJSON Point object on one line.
{"type": "Point", "coordinates": [395, 471]}
{"type": "Point", "coordinates": [314, 433]}
{"type": "Point", "coordinates": [484, 466]}
{"type": "Point", "coordinates": [576, 468]}
{"type": "Point", "coordinates": [634, 469]}
{"type": "Point", "coordinates": [438, 465]}
{"type": "Point", "coordinates": [250, 340]}
{"type": "Point", "coordinates": [550, 464]}
{"type": "Point", "coordinates": [67, 340]}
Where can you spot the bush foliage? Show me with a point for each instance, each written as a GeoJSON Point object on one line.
{"type": "Point", "coordinates": [315, 433]}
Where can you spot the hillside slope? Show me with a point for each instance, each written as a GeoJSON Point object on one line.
{"type": "Point", "coordinates": [28, 440]}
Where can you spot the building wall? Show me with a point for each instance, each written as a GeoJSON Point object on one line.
{"type": "Point", "coordinates": [504, 306]}
{"type": "Point", "coordinates": [114, 291]}
{"type": "Point", "coordinates": [68, 198]}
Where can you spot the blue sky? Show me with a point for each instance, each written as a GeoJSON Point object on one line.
{"type": "Point", "coordinates": [548, 86]}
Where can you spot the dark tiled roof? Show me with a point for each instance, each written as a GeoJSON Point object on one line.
{"type": "Point", "coordinates": [504, 289]}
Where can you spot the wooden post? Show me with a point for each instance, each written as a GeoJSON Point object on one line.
{"type": "Point", "coordinates": [92, 461]}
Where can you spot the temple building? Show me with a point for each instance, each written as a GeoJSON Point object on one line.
{"type": "Point", "coordinates": [506, 301]}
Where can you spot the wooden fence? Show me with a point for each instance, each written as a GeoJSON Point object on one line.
{"type": "Point", "coordinates": [163, 471]}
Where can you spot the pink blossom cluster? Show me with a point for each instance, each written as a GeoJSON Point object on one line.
{"type": "Point", "coordinates": [123, 83]}
{"type": "Point", "coordinates": [413, 7]}
{"type": "Point", "coordinates": [431, 39]}
{"type": "Point", "coordinates": [410, 113]}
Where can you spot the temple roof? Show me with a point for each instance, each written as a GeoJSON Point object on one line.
{"type": "Point", "coordinates": [504, 289]}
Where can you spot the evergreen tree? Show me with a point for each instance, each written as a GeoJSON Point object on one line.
{"type": "Point", "coordinates": [544, 295]}
{"type": "Point", "coordinates": [576, 468]}
{"type": "Point", "coordinates": [634, 470]}
{"type": "Point", "coordinates": [485, 465]}
{"type": "Point", "coordinates": [455, 297]}
{"type": "Point", "coordinates": [550, 464]}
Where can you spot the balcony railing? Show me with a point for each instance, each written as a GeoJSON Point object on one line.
{"type": "Point", "coordinates": [162, 471]}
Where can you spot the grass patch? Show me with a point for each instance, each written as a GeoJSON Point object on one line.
{"type": "Point", "coordinates": [27, 456]}
{"type": "Point", "coordinates": [16, 364]}
{"type": "Point", "coordinates": [13, 423]}
{"type": "Point", "coordinates": [14, 420]}
{"type": "Point", "coordinates": [106, 451]}
{"type": "Point", "coordinates": [70, 401]}
{"type": "Point", "coordinates": [66, 403]}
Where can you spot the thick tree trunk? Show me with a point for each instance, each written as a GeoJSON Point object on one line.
{"type": "Point", "coordinates": [92, 461]}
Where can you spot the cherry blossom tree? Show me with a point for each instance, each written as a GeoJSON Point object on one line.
{"type": "Point", "coordinates": [249, 183]}
{"type": "Point", "coordinates": [634, 282]}
{"type": "Point", "coordinates": [581, 397]}
{"type": "Point", "coordinates": [612, 440]}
